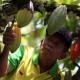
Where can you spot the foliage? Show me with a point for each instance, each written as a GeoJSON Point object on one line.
{"type": "Point", "coordinates": [68, 1]}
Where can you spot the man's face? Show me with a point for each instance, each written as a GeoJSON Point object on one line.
{"type": "Point", "coordinates": [52, 49]}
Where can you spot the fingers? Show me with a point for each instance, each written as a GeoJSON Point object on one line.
{"type": "Point", "coordinates": [8, 29]}
{"type": "Point", "coordinates": [8, 36]}
{"type": "Point", "coordinates": [8, 39]}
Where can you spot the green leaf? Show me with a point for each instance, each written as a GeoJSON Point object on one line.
{"type": "Point", "coordinates": [38, 15]}
{"type": "Point", "coordinates": [0, 2]}
{"type": "Point", "coordinates": [68, 63]}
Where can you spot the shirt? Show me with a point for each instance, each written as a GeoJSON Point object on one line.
{"type": "Point", "coordinates": [28, 68]}
{"type": "Point", "coordinates": [15, 58]}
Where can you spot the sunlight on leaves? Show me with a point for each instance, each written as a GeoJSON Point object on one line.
{"type": "Point", "coordinates": [67, 1]}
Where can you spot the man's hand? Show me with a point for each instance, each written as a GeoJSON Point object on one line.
{"type": "Point", "coordinates": [8, 36]}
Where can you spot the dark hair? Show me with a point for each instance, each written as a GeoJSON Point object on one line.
{"type": "Point", "coordinates": [64, 32]}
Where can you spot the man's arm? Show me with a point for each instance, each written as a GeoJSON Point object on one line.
{"type": "Point", "coordinates": [8, 39]}
{"type": "Point", "coordinates": [3, 62]}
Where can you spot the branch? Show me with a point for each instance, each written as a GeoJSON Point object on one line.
{"type": "Point", "coordinates": [41, 6]}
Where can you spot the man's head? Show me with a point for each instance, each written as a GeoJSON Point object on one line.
{"type": "Point", "coordinates": [66, 35]}
{"type": "Point", "coordinates": [54, 47]}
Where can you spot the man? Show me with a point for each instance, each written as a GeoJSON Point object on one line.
{"type": "Point", "coordinates": [34, 63]}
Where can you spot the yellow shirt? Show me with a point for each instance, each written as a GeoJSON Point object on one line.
{"type": "Point", "coordinates": [27, 70]}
